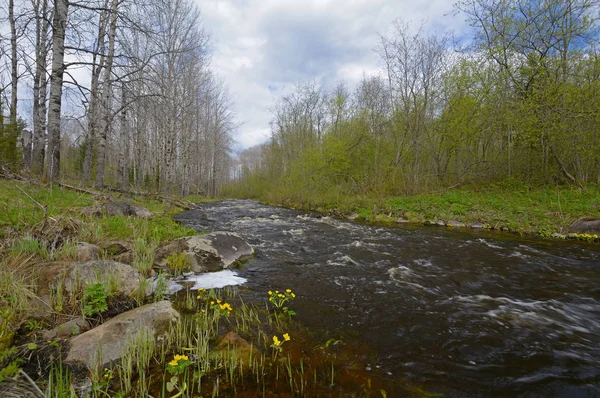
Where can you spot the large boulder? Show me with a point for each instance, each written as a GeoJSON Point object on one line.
{"type": "Point", "coordinates": [587, 225]}
{"type": "Point", "coordinates": [206, 253]}
{"type": "Point", "coordinates": [120, 277]}
{"type": "Point", "coordinates": [107, 343]}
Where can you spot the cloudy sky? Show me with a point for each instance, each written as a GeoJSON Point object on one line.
{"type": "Point", "coordinates": [261, 48]}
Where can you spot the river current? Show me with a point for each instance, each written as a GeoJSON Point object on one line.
{"type": "Point", "coordinates": [463, 313]}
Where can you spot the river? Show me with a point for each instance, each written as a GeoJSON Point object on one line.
{"type": "Point", "coordinates": [463, 313]}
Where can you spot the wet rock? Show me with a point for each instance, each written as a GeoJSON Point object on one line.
{"type": "Point", "coordinates": [121, 277]}
{"type": "Point", "coordinates": [233, 344]}
{"type": "Point", "coordinates": [559, 236]}
{"type": "Point", "coordinates": [207, 253]}
{"type": "Point", "coordinates": [353, 216]}
{"type": "Point", "coordinates": [402, 220]}
{"type": "Point", "coordinates": [456, 224]}
{"type": "Point", "coordinates": [587, 225]}
{"type": "Point", "coordinates": [71, 328]}
{"type": "Point", "coordinates": [477, 226]}
{"type": "Point", "coordinates": [87, 252]}
{"type": "Point", "coordinates": [107, 343]}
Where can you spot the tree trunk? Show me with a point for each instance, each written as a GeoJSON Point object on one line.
{"type": "Point", "coordinates": [123, 171]}
{"type": "Point", "coordinates": [106, 96]}
{"type": "Point", "coordinates": [40, 87]}
{"type": "Point", "coordinates": [94, 97]}
{"type": "Point", "coordinates": [59, 22]}
{"type": "Point", "coordinates": [14, 73]}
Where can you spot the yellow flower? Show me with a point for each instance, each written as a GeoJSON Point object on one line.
{"type": "Point", "coordinates": [293, 295]}
{"type": "Point", "coordinates": [286, 337]}
{"type": "Point", "coordinates": [288, 291]}
{"type": "Point", "coordinates": [276, 341]}
{"type": "Point", "coordinates": [173, 363]}
{"type": "Point", "coordinates": [270, 293]}
{"type": "Point", "coordinates": [276, 291]}
{"type": "Point", "coordinates": [198, 297]}
{"type": "Point", "coordinates": [203, 311]}
{"type": "Point", "coordinates": [218, 301]}
{"type": "Point", "coordinates": [212, 303]}
{"type": "Point", "coordinates": [180, 358]}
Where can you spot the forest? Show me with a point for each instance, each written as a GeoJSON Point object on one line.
{"type": "Point", "coordinates": [517, 100]}
{"type": "Point", "coordinates": [113, 93]}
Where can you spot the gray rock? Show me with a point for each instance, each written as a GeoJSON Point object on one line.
{"type": "Point", "coordinates": [587, 225]}
{"type": "Point", "coordinates": [87, 252]}
{"type": "Point", "coordinates": [402, 220]}
{"type": "Point", "coordinates": [559, 236]}
{"type": "Point", "coordinates": [107, 343]}
{"type": "Point", "coordinates": [207, 253]}
{"type": "Point", "coordinates": [121, 277]}
{"type": "Point", "coordinates": [477, 226]}
{"type": "Point", "coordinates": [73, 327]}
{"type": "Point", "coordinates": [353, 216]}
{"type": "Point", "coordinates": [118, 208]}
{"type": "Point", "coordinates": [456, 224]}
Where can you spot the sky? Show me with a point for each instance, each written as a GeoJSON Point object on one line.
{"type": "Point", "coordinates": [263, 48]}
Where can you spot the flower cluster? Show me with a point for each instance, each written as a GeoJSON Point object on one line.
{"type": "Point", "coordinates": [588, 237]}
{"type": "Point", "coordinates": [178, 364]}
{"type": "Point", "coordinates": [277, 343]}
{"type": "Point", "coordinates": [221, 308]}
{"type": "Point", "coordinates": [279, 299]}
{"type": "Point", "coordinates": [201, 293]}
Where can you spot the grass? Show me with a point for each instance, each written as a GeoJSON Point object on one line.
{"type": "Point", "coordinates": [521, 208]}
{"type": "Point", "coordinates": [539, 210]}
{"type": "Point", "coordinates": [40, 224]}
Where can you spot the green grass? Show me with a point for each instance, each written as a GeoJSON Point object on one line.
{"type": "Point", "coordinates": [18, 207]}
{"type": "Point", "coordinates": [19, 211]}
{"type": "Point", "coordinates": [542, 210]}
{"type": "Point", "coordinates": [522, 209]}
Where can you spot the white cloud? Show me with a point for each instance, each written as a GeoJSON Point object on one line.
{"type": "Point", "coordinates": [263, 47]}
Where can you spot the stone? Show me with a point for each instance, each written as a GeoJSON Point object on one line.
{"type": "Point", "coordinates": [586, 225]}
{"type": "Point", "coordinates": [87, 252]}
{"type": "Point", "coordinates": [402, 220]}
{"type": "Point", "coordinates": [232, 343]}
{"type": "Point", "coordinates": [559, 236]}
{"type": "Point", "coordinates": [117, 208]}
{"type": "Point", "coordinates": [456, 224]}
{"type": "Point", "coordinates": [122, 278]}
{"type": "Point", "coordinates": [73, 327]}
{"type": "Point", "coordinates": [106, 344]}
{"type": "Point", "coordinates": [116, 247]}
{"type": "Point", "coordinates": [477, 226]}
{"type": "Point", "coordinates": [207, 253]}
{"type": "Point", "coordinates": [124, 258]}
{"type": "Point", "coordinates": [353, 216]}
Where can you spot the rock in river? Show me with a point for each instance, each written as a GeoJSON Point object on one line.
{"type": "Point", "coordinates": [107, 343]}
{"type": "Point", "coordinates": [586, 225]}
{"type": "Point", "coordinates": [207, 253]}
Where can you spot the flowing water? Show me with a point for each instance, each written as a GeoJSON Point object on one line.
{"type": "Point", "coordinates": [461, 313]}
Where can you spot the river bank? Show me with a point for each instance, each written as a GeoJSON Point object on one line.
{"type": "Point", "coordinates": [547, 212]}
{"type": "Point", "coordinates": [78, 284]}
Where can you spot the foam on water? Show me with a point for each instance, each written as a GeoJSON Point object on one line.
{"type": "Point", "coordinates": [216, 280]}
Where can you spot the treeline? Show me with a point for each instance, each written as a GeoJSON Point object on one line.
{"type": "Point", "coordinates": [521, 101]}
{"type": "Point", "coordinates": [115, 92]}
